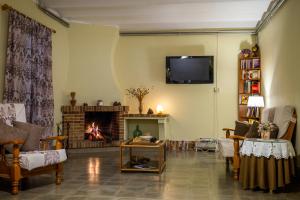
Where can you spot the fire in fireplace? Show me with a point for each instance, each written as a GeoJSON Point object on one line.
{"type": "Point", "coordinates": [93, 133]}
{"type": "Point", "coordinates": [101, 126]}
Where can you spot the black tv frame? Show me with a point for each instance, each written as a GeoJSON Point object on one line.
{"type": "Point", "coordinates": [211, 71]}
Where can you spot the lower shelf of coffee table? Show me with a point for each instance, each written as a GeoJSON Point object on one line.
{"type": "Point", "coordinates": [153, 167]}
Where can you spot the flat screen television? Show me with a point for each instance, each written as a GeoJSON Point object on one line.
{"type": "Point", "coordinates": [189, 69]}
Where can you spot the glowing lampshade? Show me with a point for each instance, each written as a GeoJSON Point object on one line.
{"type": "Point", "coordinates": [159, 109]}
{"type": "Point", "coordinates": [256, 101]}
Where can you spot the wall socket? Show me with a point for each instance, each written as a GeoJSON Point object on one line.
{"type": "Point", "coordinates": [216, 89]}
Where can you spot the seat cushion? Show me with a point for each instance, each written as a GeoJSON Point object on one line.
{"type": "Point", "coordinates": [253, 131]}
{"type": "Point", "coordinates": [7, 113]}
{"type": "Point", "coordinates": [9, 133]}
{"type": "Point", "coordinates": [225, 147]}
{"type": "Point", "coordinates": [34, 159]}
{"type": "Point", "coordinates": [32, 142]}
{"type": "Point", "coordinates": [283, 116]}
{"type": "Point", "coordinates": [241, 128]}
{"type": "Point", "coordinates": [20, 112]}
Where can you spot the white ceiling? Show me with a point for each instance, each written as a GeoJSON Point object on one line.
{"type": "Point", "coordinates": [161, 15]}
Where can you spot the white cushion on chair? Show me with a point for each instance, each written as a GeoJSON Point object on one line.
{"type": "Point", "coordinates": [282, 118]}
{"type": "Point", "coordinates": [225, 146]}
{"type": "Point", "coordinates": [35, 159]}
{"type": "Point", "coordinates": [20, 112]}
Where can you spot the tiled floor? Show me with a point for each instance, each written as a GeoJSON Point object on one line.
{"type": "Point", "coordinates": [189, 175]}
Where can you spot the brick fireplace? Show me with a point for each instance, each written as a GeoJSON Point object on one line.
{"type": "Point", "coordinates": [109, 119]}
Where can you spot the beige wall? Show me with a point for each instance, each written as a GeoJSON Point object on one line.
{"type": "Point", "coordinates": [91, 72]}
{"type": "Point", "coordinates": [97, 64]}
{"type": "Point", "coordinates": [60, 53]}
{"type": "Point", "coordinates": [196, 111]}
{"type": "Point", "coordinates": [279, 42]}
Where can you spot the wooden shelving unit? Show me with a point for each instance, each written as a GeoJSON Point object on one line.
{"type": "Point", "coordinates": [249, 83]}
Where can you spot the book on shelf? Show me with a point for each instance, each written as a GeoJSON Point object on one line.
{"type": "Point", "coordinates": [253, 74]}
{"type": "Point", "coordinates": [255, 87]}
{"type": "Point", "coordinates": [255, 63]}
{"type": "Point", "coordinates": [253, 112]}
{"type": "Point", "coordinates": [250, 75]}
{"type": "Point", "coordinates": [247, 86]}
{"type": "Point", "coordinates": [251, 86]}
{"type": "Point", "coordinates": [246, 63]}
{"type": "Point", "coordinates": [250, 63]}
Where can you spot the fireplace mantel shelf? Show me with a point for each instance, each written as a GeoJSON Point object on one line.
{"type": "Point", "coordinates": [80, 109]}
{"type": "Point", "coordinates": [145, 116]}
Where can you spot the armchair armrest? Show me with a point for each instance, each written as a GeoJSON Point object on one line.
{"type": "Point", "coordinates": [14, 142]}
{"type": "Point", "coordinates": [237, 137]}
{"type": "Point", "coordinates": [59, 140]}
{"type": "Point", "coordinates": [228, 131]}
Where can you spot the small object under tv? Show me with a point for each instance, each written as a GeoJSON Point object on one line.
{"type": "Point", "coordinates": [189, 69]}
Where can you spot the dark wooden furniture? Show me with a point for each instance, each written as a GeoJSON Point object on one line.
{"type": "Point", "coordinates": [249, 83]}
{"type": "Point", "coordinates": [15, 173]}
{"type": "Point", "coordinates": [158, 163]}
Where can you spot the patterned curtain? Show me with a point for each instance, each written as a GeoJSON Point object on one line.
{"type": "Point", "coordinates": [28, 70]}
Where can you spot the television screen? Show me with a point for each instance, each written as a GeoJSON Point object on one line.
{"type": "Point", "coordinates": [189, 69]}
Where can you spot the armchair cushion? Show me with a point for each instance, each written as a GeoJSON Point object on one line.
{"type": "Point", "coordinates": [282, 118]}
{"type": "Point", "coordinates": [34, 159]}
{"type": "Point", "coordinates": [268, 115]}
{"type": "Point", "coordinates": [225, 147]}
{"type": "Point", "coordinates": [9, 133]}
{"type": "Point", "coordinates": [253, 131]}
{"type": "Point", "coordinates": [7, 113]}
{"type": "Point", "coordinates": [32, 142]}
{"type": "Point", "coordinates": [20, 112]}
{"type": "Point", "coordinates": [241, 128]}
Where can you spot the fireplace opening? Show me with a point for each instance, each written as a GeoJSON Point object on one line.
{"type": "Point", "coordinates": [101, 126]}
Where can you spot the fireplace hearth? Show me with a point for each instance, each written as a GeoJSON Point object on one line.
{"type": "Point", "coordinates": [94, 126]}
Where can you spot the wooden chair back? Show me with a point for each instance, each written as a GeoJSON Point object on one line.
{"type": "Point", "coordinates": [291, 129]}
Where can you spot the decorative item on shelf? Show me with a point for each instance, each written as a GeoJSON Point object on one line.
{"type": "Point", "coordinates": [137, 132]}
{"type": "Point", "coordinates": [73, 100]}
{"type": "Point", "coordinates": [251, 121]}
{"type": "Point", "coordinates": [265, 129]}
{"type": "Point", "coordinates": [245, 53]}
{"type": "Point", "coordinates": [85, 104]}
{"type": "Point", "coordinates": [255, 51]}
{"type": "Point", "coordinates": [117, 103]}
{"type": "Point", "coordinates": [159, 109]}
{"type": "Point", "coordinates": [254, 103]}
{"type": "Point", "coordinates": [139, 94]}
{"type": "Point", "coordinates": [150, 112]}
{"type": "Point", "coordinates": [243, 99]}
{"type": "Point", "coordinates": [99, 102]}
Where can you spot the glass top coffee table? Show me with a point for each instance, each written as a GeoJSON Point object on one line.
{"type": "Point", "coordinates": [142, 157]}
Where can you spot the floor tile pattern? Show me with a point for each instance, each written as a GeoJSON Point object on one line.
{"type": "Point", "coordinates": [189, 175]}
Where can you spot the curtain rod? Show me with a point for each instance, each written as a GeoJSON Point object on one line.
{"type": "Point", "coordinates": [7, 7]}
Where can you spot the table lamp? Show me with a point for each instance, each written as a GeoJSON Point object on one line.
{"type": "Point", "coordinates": [159, 109]}
{"type": "Point", "coordinates": [254, 103]}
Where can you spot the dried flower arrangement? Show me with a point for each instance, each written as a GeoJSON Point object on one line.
{"type": "Point", "coordinates": [139, 94]}
{"type": "Point", "coordinates": [266, 128]}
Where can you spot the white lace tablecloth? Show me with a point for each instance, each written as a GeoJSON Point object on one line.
{"type": "Point", "coordinates": [266, 148]}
